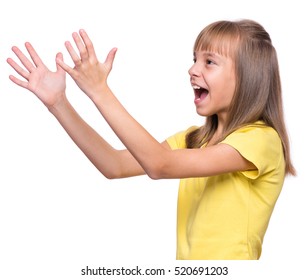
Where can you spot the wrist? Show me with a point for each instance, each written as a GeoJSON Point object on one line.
{"type": "Point", "coordinates": [100, 94]}
{"type": "Point", "coordinates": [58, 105]}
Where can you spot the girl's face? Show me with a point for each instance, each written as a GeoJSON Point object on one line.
{"type": "Point", "coordinates": [212, 77]}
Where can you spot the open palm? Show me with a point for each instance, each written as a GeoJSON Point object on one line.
{"type": "Point", "coordinates": [48, 86]}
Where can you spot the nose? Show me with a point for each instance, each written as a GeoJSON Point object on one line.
{"type": "Point", "coordinates": [194, 70]}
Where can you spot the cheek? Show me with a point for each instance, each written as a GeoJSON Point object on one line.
{"type": "Point", "coordinates": [227, 92]}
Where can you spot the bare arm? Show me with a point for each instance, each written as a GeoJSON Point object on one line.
{"type": "Point", "coordinates": [157, 160]}
{"type": "Point", "coordinates": [110, 162]}
{"type": "Point", "coordinates": [49, 87]}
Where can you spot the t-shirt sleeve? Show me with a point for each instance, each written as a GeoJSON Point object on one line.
{"type": "Point", "coordinates": [259, 145]}
{"type": "Point", "coordinates": [178, 140]}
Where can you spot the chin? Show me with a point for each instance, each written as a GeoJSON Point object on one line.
{"type": "Point", "coordinates": [202, 113]}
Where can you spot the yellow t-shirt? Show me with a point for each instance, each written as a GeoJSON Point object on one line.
{"type": "Point", "coordinates": [225, 217]}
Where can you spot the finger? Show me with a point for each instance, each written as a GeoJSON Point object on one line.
{"type": "Point", "coordinates": [59, 57]}
{"type": "Point", "coordinates": [22, 72]}
{"type": "Point", "coordinates": [88, 43]}
{"type": "Point", "coordinates": [19, 82]}
{"type": "Point", "coordinates": [110, 57]}
{"type": "Point", "coordinates": [80, 46]}
{"type": "Point", "coordinates": [35, 57]}
{"type": "Point", "coordinates": [62, 65]}
{"type": "Point", "coordinates": [23, 59]}
{"type": "Point", "coordinates": [74, 56]}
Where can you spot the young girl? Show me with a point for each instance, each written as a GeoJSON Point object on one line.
{"type": "Point", "coordinates": [232, 168]}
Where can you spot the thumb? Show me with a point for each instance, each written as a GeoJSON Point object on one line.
{"type": "Point", "coordinates": [59, 58]}
{"type": "Point", "coordinates": [110, 57]}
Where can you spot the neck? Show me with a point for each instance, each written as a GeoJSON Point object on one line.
{"type": "Point", "coordinates": [219, 131]}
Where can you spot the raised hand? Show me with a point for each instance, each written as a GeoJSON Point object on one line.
{"type": "Point", "coordinates": [88, 73]}
{"type": "Point", "coordinates": [48, 86]}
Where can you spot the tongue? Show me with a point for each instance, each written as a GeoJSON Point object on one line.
{"type": "Point", "coordinates": [203, 95]}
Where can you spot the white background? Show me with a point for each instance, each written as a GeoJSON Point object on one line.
{"type": "Point", "coordinates": [58, 214]}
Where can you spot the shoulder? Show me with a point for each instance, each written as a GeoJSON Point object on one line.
{"type": "Point", "coordinates": [258, 143]}
{"type": "Point", "coordinates": [257, 134]}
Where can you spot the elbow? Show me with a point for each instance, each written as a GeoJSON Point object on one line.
{"type": "Point", "coordinates": [111, 174]}
{"type": "Point", "coordinates": [158, 171]}
{"type": "Point", "coordinates": [154, 175]}
{"type": "Point", "coordinates": [161, 167]}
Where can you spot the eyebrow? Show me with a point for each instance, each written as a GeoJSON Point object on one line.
{"type": "Point", "coordinates": [207, 53]}
{"type": "Point", "coordinates": [213, 54]}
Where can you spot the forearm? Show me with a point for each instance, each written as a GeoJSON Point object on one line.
{"type": "Point", "coordinates": [146, 150]}
{"type": "Point", "coordinates": [109, 161]}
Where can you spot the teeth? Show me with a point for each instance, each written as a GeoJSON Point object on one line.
{"type": "Point", "coordinates": [196, 87]}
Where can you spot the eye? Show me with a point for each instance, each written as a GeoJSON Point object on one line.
{"type": "Point", "coordinates": [209, 62]}
{"type": "Point", "coordinates": [194, 60]}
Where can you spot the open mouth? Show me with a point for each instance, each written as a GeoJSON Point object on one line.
{"type": "Point", "coordinates": [200, 93]}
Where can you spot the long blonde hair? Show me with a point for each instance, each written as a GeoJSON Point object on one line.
{"type": "Point", "coordinates": [258, 87]}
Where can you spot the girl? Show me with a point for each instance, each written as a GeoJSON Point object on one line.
{"type": "Point", "coordinates": [232, 168]}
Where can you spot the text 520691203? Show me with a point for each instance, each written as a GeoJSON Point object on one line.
{"type": "Point", "coordinates": [207, 270]}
